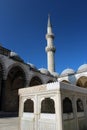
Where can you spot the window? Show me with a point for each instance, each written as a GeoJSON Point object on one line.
{"type": "Point", "coordinates": [80, 107]}
{"type": "Point", "coordinates": [67, 105]}
{"type": "Point", "coordinates": [28, 106]}
{"type": "Point", "coordinates": [47, 106]}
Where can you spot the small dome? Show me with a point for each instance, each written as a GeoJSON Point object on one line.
{"type": "Point", "coordinates": [32, 66]}
{"type": "Point", "coordinates": [67, 72]}
{"type": "Point", "coordinates": [55, 74]}
{"type": "Point", "coordinates": [82, 68]}
{"type": "Point", "coordinates": [44, 71]}
{"type": "Point", "coordinates": [13, 54]}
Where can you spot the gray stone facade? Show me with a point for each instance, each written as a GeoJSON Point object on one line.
{"type": "Point", "coordinates": [15, 74]}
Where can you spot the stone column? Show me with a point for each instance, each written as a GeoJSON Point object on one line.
{"type": "Point", "coordinates": [85, 106]}
{"type": "Point", "coordinates": [21, 106]}
{"type": "Point", "coordinates": [36, 112]}
{"type": "Point", "coordinates": [75, 113]}
{"type": "Point", "coordinates": [59, 113]}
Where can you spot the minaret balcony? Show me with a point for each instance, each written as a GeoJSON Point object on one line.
{"type": "Point", "coordinates": [49, 35]}
{"type": "Point", "coordinates": [51, 48]}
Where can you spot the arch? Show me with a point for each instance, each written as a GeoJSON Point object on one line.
{"type": "Point", "coordinates": [67, 105]}
{"type": "Point", "coordinates": [28, 106]}
{"type": "Point", "coordinates": [15, 79]}
{"type": "Point", "coordinates": [35, 81]}
{"type": "Point", "coordinates": [65, 81]}
{"type": "Point", "coordinates": [50, 81]}
{"type": "Point", "coordinates": [20, 65]}
{"type": "Point", "coordinates": [82, 82]}
{"type": "Point", "coordinates": [79, 104]}
{"type": "Point", "coordinates": [2, 64]}
{"type": "Point", "coordinates": [48, 106]}
{"type": "Point", "coordinates": [1, 86]}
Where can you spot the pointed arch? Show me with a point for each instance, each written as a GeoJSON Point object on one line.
{"type": "Point", "coordinates": [16, 79]}
{"type": "Point", "coordinates": [35, 81]}
{"type": "Point", "coordinates": [65, 81]}
{"type": "Point", "coordinates": [2, 80]}
{"type": "Point", "coordinates": [21, 66]}
{"type": "Point", "coordinates": [2, 66]}
{"type": "Point", "coordinates": [1, 85]}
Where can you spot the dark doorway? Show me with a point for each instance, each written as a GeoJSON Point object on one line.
{"type": "Point", "coordinates": [16, 79]}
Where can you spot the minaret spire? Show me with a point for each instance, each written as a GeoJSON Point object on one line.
{"type": "Point", "coordinates": [49, 22]}
{"type": "Point", "coordinates": [50, 49]}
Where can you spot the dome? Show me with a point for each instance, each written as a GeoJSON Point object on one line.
{"type": "Point", "coordinates": [15, 56]}
{"type": "Point", "coordinates": [32, 66]}
{"type": "Point", "coordinates": [67, 71]}
{"type": "Point", "coordinates": [82, 68]}
{"type": "Point", "coordinates": [44, 71]}
{"type": "Point", "coordinates": [55, 74]}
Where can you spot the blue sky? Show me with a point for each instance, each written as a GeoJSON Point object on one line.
{"type": "Point", "coordinates": [23, 27]}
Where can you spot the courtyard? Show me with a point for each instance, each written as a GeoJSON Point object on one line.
{"type": "Point", "coordinates": [9, 123]}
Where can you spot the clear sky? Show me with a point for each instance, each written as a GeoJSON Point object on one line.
{"type": "Point", "coordinates": [23, 26]}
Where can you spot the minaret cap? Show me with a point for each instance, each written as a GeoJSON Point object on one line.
{"type": "Point", "coordinates": [49, 23]}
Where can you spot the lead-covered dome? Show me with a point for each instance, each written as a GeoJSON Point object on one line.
{"type": "Point", "coordinates": [15, 56]}
{"type": "Point", "coordinates": [55, 74]}
{"type": "Point", "coordinates": [67, 71]}
{"type": "Point", "coordinates": [32, 65]}
{"type": "Point", "coordinates": [82, 68]}
{"type": "Point", "coordinates": [44, 71]}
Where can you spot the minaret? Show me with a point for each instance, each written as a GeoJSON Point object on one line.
{"type": "Point", "coordinates": [50, 49]}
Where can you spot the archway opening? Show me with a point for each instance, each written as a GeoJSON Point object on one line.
{"type": "Point", "coordinates": [35, 81]}
{"type": "Point", "coordinates": [16, 79]}
{"type": "Point", "coordinates": [1, 86]}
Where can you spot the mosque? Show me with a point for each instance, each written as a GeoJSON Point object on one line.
{"type": "Point", "coordinates": [16, 74]}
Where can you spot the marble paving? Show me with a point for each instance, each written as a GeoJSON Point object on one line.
{"type": "Point", "coordinates": [9, 123]}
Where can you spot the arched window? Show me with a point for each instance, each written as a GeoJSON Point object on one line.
{"type": "Point", "coordinates": [65, 81]}
{"type": "Point", "coordinates": [29, 106]}
{"type": "Point", "coordinates": [80, 107]}
{"type": "Point", "coordinates": [67, 105]}
{"type": "Point", "coordinates": [35, 81]}
{"type": "Point", "coordinates": [47, 106]}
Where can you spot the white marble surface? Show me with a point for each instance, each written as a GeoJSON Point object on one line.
{"type": "Point", "coordinates": [9, 123]}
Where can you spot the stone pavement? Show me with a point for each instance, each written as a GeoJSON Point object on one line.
{"type": "Point", "coordinates": [9, 123]}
